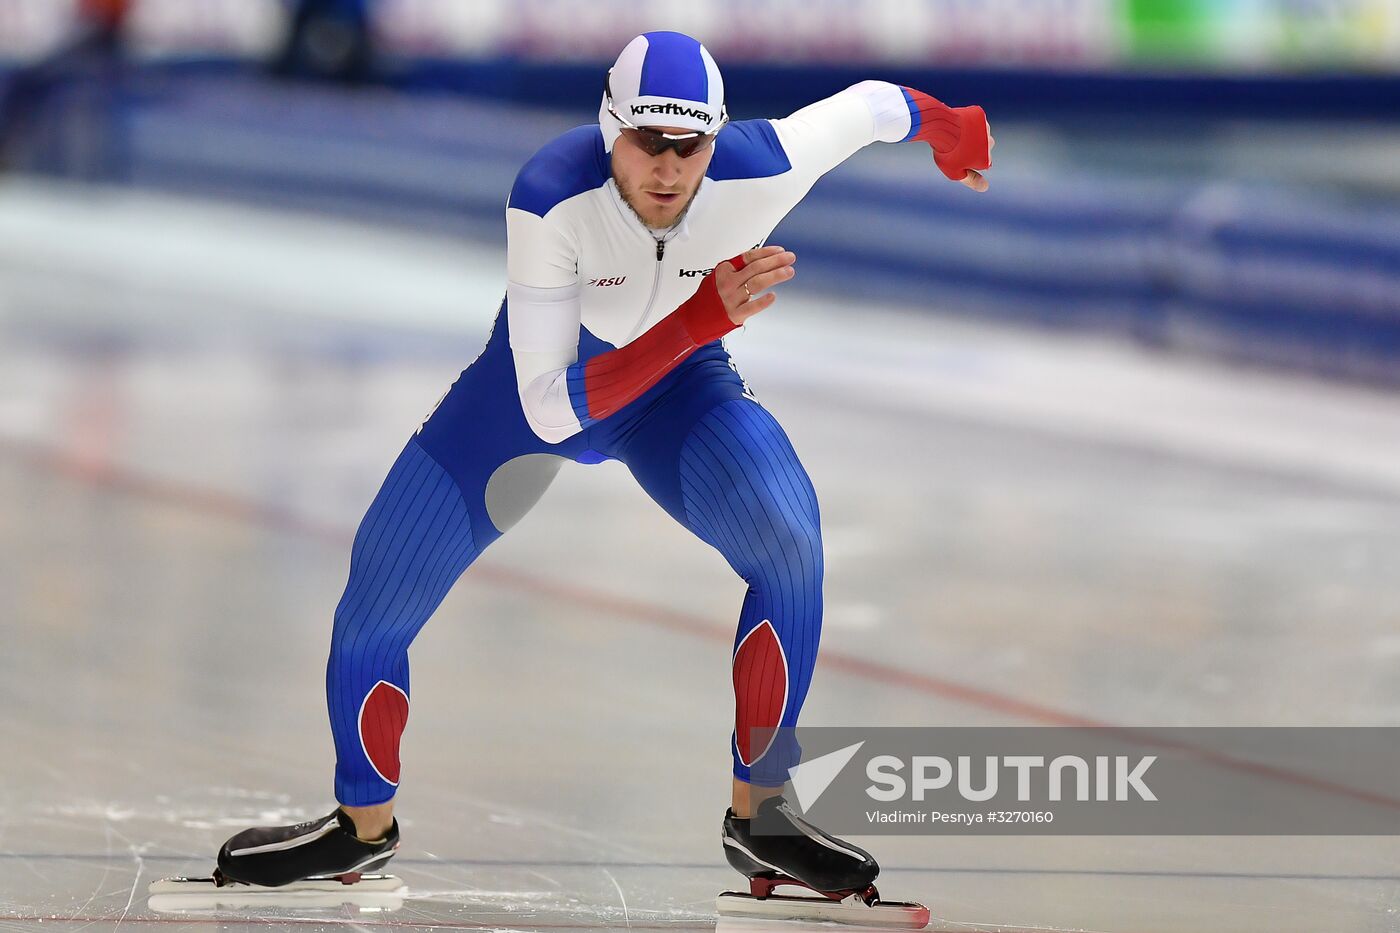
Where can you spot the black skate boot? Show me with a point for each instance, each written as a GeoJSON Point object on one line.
{"type": "Point", "coordinates": [324, 849]}
{"type": "Point", "coordinates": [785, 845]}
{"type": "Point", "coordinates": [778, 847]}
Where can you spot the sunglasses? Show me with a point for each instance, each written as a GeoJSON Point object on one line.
{"type": "Point", "coordinates": [655, 142]}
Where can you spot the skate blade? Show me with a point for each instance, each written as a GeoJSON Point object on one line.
{"type": "Point", "coordinates": [851, 911]}
{"type": "Point", "coordinates": [372, 893]}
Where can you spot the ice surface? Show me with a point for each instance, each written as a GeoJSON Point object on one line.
{"type": "Point", "coordinates": [1021, 529]}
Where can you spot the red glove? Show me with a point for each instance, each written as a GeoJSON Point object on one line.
{"type": "Point", "coordinates": [957, 135]}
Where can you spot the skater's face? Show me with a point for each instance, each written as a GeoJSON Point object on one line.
{"type": "Point", "coordinates": [658, 188]}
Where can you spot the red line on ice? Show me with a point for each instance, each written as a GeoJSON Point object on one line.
{"type": "Point", "coordinates": [130, 482]}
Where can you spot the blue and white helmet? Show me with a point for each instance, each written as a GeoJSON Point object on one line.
{"type": "Point", "coordinates": [663, 79]}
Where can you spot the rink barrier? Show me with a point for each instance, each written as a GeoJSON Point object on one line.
{"type": "Point", "coordinates": [1274, 275]}
{"type": "Point", "coordinates": [1017, 92]}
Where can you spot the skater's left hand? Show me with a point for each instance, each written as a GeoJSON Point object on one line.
{"type": "Point", "coordinates": [975, 179]}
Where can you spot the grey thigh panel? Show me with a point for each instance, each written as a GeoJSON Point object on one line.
{"type": "Point", "coordinates": [517, 485]}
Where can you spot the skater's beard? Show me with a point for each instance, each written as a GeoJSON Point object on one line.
{"type": "Point", "coordinates": [653, 216]}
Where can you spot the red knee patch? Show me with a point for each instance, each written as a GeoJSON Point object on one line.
{"type": "Point", "coordinates": [383, 716]}
{"type": "Point", "coordinates": [760, 691]}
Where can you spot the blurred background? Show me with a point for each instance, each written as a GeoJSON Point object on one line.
{"type": "Point", "coordinates": [1116, 442]}
{"type": "Point", "coordinates": [1213, 175]}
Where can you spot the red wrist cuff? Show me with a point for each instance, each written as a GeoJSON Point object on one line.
{"type": "Point", "coordinates": [703, 314]}
{"type": "Point", "coordinates": [613, 379]}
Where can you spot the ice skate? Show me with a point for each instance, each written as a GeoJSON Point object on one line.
{"type": "Point", "coordinates": [317, 861]}
{"type": "Point", "coordinates": [842, 875]}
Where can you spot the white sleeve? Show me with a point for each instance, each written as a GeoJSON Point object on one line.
{"type": "Point", "coordinates": [822, 135]}
{"type": "Point", "coordinates": [543, 310]}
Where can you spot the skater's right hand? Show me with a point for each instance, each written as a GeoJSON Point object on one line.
{"type": "Point", "coordinates": [764, 267]}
